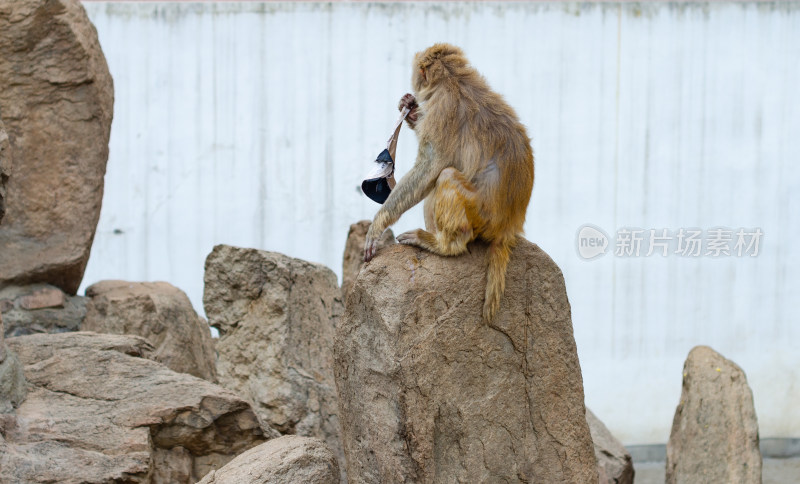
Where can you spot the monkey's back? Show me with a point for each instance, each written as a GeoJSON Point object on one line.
{"type": "Point", "coordinates": [475, 131]}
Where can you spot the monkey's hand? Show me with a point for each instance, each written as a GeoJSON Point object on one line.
{"type": "Point", "coordinates": [371, 244]}
{"type": "Point", "coordinates": [410, 102]}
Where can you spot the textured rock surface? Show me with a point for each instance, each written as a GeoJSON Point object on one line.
{"type": "Point", "coordinates": [286, 460]}
{"type": "Point", "coordinates": [56, 103]}
{"type": "Point", "coordinates": [5, 166]}
{"type": "Point", "coordinates": [276, 317]}
{"type": "Point", "coordinates": [159, 312]}
{"type": "Point", "coordinates": [429, 392]}
{"type": "Point", "coordinates": [12, 380]}
{"type": "Point", "coordinates": [98, 411]}
{"type": "Point", "coordinates": [614, 462]}
{"type": "Point", "coordinates": [714, 435]}
{"type": "Point", "coordinates": [40, 308]}
{"type": "Point", "coordinates": [353, 259]}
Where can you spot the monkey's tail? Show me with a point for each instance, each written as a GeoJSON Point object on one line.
{"type": "Point", "coordinates": [499, 254]}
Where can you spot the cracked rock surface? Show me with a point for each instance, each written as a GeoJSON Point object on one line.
{"type": "Point", "coordinates": [429, 392]}
{"type": "Point", "coordinates": [159, 312]}
{"type": "Point", "coordinates": [56, 102]}
{"type": "Point", "coordinates": [98, 410]}
{"type": "Point", "coordinates": [290, 459]}
{"type": "Point", "coordinates": [276, 317]}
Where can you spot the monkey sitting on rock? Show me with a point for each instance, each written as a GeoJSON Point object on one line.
{"type": "Point", "coordinates": [474, 167]}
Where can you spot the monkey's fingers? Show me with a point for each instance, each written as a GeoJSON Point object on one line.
{"type": "Point", "coordinates": [407, 101]}
{"type": "Point", "coordinates": [370, 247]}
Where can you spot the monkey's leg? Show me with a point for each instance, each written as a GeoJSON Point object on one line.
{"type": "Point", "coordinates": [456, 215]}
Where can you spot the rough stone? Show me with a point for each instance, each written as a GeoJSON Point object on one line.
{"type": "Point", "coordinates": [5, 167]}
{"type": "Point", "coordinates": [430, 392]}
{"type": "Point", "coordinates": [56, 102]}
{"type": "Point", "coordinates": [50, 297]}
{"type": "Point", "coordinates": [353, 258]}
{"type": "Point", "coordinates": [98, 410]}
{"type": "Point", "coordinates": [20, 321]}
{"type": "Point", "coordinates": [276, 317]}
{"type": "Point", "coordinates": [714, 435]}
{"type": "Point", "coordinates": [286, 460]}
{"type": "Point", "coordinates": [162, 314]}
{"type": "Point", "coordinates": [614, 462]}
{"type": "Point", "coordinates": [12, 381]}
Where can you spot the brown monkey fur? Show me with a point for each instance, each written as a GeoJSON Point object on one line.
{"type": "Point", "coordinates": [474, 167]}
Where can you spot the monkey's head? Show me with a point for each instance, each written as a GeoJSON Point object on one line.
{"type": "Point", "coordinates": [434, 65]}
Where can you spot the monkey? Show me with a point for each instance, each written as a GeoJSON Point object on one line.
{"type": "Point", "coordinates": [474, 167]}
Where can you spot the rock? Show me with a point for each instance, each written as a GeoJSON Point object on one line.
{"type": "Point", "coordinates": [286, 460]}
{"type": "Point", "coordinates": [56, 102]}
{"type": "Point", "coordinates": [12, 383]}
{"type": "Point", "coordinates": [353, 259]}
{"type": "Point", "coordinates": [162, 314]}
{"type": "Point", "coordinates": [714, 435]}
{"type": "Point", "coordinates": [429, 392]}
{"type": "Point", "coordinates": [48, 297]}
{"type": "Point", "coordinates": [40, 308]}
{"type": "Point", "coordinates": [99, 411]}
{"type": "Point", "coordinates": [614, 462]}
{"type": "Point", "coordinates": [276, 317]}
{"type": "Point", "coordinates": [12, 380]}
{"type": "Point", "coordinates": [5, 167]}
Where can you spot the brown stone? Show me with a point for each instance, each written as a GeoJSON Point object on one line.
{"type": "Point", "coordinates": [56, 102]}
{"type": "Point", "coordinates": [353, 258]}
{"type": "Point", "coordinates": [49, 297]}
{"type": "Point", "coordinates": [714, 435]}
{"type": "Point", "coordinates": [614, 462]}
{"type": "Point", "coordinates": [19, 321]}
{"type": "Point", "coordinates": [276, 317]}
{"type": "Point", "coordinates": [98, 410]}
{"type": "Point", "coordinates": [430, 392]}
{"type": "Point", "coordinates": [159, 312]}
{"type": "Point", "coordinates": [286, 460]}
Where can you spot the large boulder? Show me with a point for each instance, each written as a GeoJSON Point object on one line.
{"type": "Point", "coordinates": [98, 410]}
{"type": "Point", "coordinates": [430, 392]}
{"type": "Point", "coordinates": [5, 167]}
{"type": "Point", "coordinates": [276, 318]}
{"type": "Point", "coordinates": [614, 462]}
{"type": "Point", "coordinates": [162, 314]}
{"type": "Point", "coordinates": [714, 435]}
{"type": "Point", "coordinates": [286, 460]}
{"type": "Point", "coordinates": [56, 101]}
{"type": "Point", "coordinates": [40, 308]}
{"type": "Point", "coordinates": [353, 257]}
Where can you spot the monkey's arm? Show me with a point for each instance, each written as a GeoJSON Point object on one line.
{"type": "Point", "coordinates": [410, 190]}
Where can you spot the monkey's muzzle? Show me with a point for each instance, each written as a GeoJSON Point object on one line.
{"type": "Point", "coordinates": [379, 183]}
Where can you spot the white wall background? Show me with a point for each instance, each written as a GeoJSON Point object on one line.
{"type": "Point", "coordinates": [252, 124]}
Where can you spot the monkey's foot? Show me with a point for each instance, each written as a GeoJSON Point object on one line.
{"type": "Point", "coordinates": [418, 238]}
